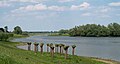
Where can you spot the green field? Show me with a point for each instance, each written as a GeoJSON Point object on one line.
{"type": "Point", "coordinates": [9, 54]}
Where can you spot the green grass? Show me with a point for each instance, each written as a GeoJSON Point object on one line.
{"type": "Point", "coordinates": [9, 54]}
{"type": "Point", "coordinates": [19, 36]}
{"type": "Point", "coordinates": [57, 34]}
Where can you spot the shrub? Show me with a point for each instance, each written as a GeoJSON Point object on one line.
{"type": "Point", "coordinates": [5, 36]}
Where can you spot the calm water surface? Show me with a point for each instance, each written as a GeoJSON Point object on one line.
{"type": "Point", "coordinates": [102, 47]}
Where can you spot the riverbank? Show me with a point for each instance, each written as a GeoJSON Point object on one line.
{"type": "Point", "coordinates": [12, 55]}
{"type": "Point", "coordinates": [108, 61]}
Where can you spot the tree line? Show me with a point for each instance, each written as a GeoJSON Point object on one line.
{"type": "Point", "coordinates": [94, 30]}
{"type": "Point", "coordinates": [5, 34]}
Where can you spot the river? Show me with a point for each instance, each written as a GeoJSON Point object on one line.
{"type": "Point", "coordinates": [102, 47]}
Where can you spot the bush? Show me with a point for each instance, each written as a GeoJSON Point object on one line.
{"type": "Point", "coordinates": [10, 35]}
{"type": "Point", "coordinates": [5, 36]}
{"type": "Point", "coordinates": [1, 34]}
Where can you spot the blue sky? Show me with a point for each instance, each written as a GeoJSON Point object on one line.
{"type": "Point", "coordinates": [47, 15]}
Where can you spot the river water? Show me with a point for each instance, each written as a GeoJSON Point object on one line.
{"type": "Point", "coordinates": [102, 47]}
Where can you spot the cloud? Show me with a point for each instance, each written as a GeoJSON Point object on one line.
{"type": "Point", "coordinates": [105, 9]}
{"type": "Point", "coordinates": [4, 4]}
{"type": "Point", "coordinates": [57, 8]}
{"type": "Point", "coordinates": [40, 7]}
{"type": "Point", "coordinates": [114, 4]}
{"type": "Point", "coordinates": [31, 8]}
{"type": "Point", "coordinates": [86, 14]}
{"type": "Point", "coordinates": [62, 1]}
{"type": "Point", "coordinates": [84, 5]}
{"type": "Point", "coordinates": [33, 1]}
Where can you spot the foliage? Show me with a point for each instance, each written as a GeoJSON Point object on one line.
{"type": "Point", "coordinates": [52, 47]}
{"type": "Point", "coordinates": [17, 30]}
{"type": "Point", "coordinates": [6, 29]}
{"type": "Point", "coordinates": [36, 44]}
{"type": "Point", "coordinates": [62, 31]}
{"type": "Point", "coordinates": [48, 44]}
{"type": "Point", "coordinates": [73, 46]}
{"type": "Point", "coordinates": [60, 45]}
{"type": "Point", "coordinates": [94, 30]}
{"type": "Point", "coordinates": [29, 43]}
{"type": "Point", "coordinates": [41, 44]}
{"type": "Point", "coordinates": [51, 44]}
{"type": "Point", "coordinates": [1, 30]}
{"type": "Point", "coordinates": [5, 36]}
{"type": "Point", "coordinates": [56, 45]}
{"type": "Point", "coordinates": [66, 47]}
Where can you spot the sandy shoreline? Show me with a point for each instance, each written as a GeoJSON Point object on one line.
{"type": "Point", "coordinates": [108, 61]}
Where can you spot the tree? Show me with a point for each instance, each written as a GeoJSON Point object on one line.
{"type": "Point", "coordinates": [62, 31]}
{"type": "Point", "coordinates": [17, 30]}
{"type": "Point", "coordinates": [51, 44]}
{"type": "Point", "coordinates": [60, 45]}
{"type": "Point", "coordinates": [6, 29]}
{"type": "Point", "coordinates": [56, 45]}
{"type": "Point", "coordinates": [47, 47]}
{"type": "Point", "coordinates": [66, 51]}
{"type": "Point", "coordinates": [1, 36]}
{"type": "Point", "coordinates": [2, 30]}
{"type": "Point", "coordinates": [41, 46]}
{"type": "Point", "coordinates": [73, 49]}
{"type": "Point", "coordinates": [29, 45]}
{"type": "Point", "coordinates": [114, 29]}
{"type": "Point", "coordinates": [36, 47]}
{"type": "Point", "coordinates": [94, 30]}
{"type": "Point", "coordinates": [62, 48]}
{"type": "Point", "coordinates": [52, 51]}
{"type": "Point", "coordinates": [4, 36]}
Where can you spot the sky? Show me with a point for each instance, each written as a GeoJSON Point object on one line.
{"type": "Point", "coordinates": [52, 15]}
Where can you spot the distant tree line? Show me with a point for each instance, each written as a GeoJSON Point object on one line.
{"type": "Point", "coordinates": [94, 30]}
{"type": "Point", "coordinates": [63, 31]}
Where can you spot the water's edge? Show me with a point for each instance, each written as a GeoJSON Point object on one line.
{"type": "Point", "coordinates": [84, 48]}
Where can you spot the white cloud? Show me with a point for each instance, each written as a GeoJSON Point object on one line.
{"type": "Point", "coordinates": [62, 1]}
{"type": "Point", "coordinates": [86, 14]}
{"type": "Point", "coordinates": [4, 4]}
{"type": "Point", "coordinates": [114, 4]}
{"type": "Point", "coordinates": [33, 1]}
{"type": "Point", "coordinates": [57, 8]}
{"type": "Point", "coordinates": [84, 5]}
{"type": "Point", "coordinates": [31, 8]}
{"type": "Point", "coordinates": [40, 7]}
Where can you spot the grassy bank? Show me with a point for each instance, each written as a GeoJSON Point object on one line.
{"type": "Point", "coordinates": [57, 34]}
{"type": "Point", "coordinates": [9, 54]}
{"type": "Point", "coordinates": [17, 36]}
